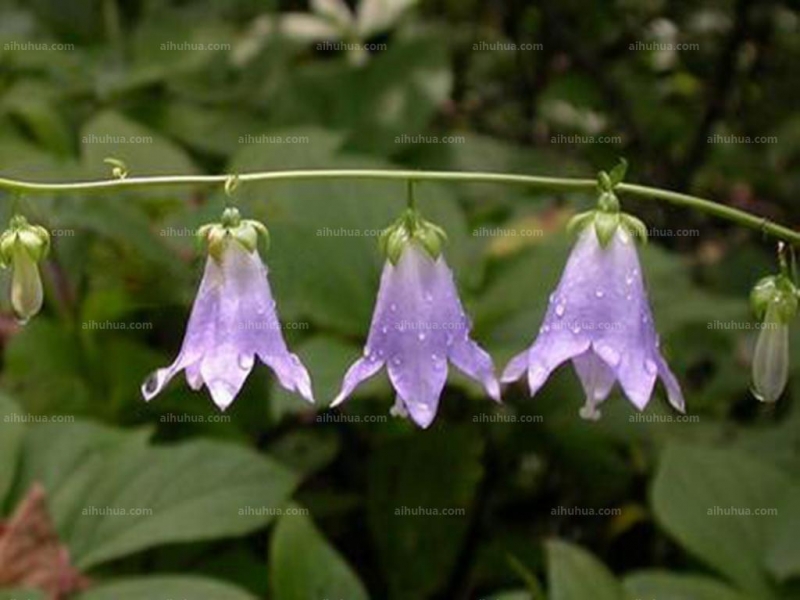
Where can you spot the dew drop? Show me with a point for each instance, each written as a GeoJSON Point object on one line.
{"type": "Point", "coordinates": [650, 366]}
{"type": "Point", "coordinates": [150, 384]}
{"type": "Point", "coordinates": [428, 297]}
{"type": "Point", "coordinates": [608, 354]}
{"type": "Point", "coordinates": [449, 339]}
{"type": "Point", "coordinates": [599, 293]}
{"type": "Point", "coordinates": [397, 361]}
{"type": "Point", "coordinates": [246, 361]}
{"type": "Point", "coordinates": [560, 310]}
{"type": "Point", "coordinates": [384, 329]}
{"type": "Point", "coordinates": [576, 329]}
{"type": "Point", "coordinates": [393, 307]}
{"type": "Point", "coordinates": [421, 337]}
{"type": "Point", "coordinates": [552, 298]}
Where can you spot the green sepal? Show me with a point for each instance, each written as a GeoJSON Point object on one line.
{"type": "Point", "coordinates": [775, 290]}
{"type": "Point", "coordinates": [605, 225]}
{"type": "Point", "coordinates": [246, 232]}
{"type": "Point", "coordinates": [635, 227]}
{"type": "Point", "coordinates": [410, 227]}
{"type": "Point", "coordinates": [617, 174]}
{"type": "Point", "coordinates": [34, 240]}
{"type": "Point", "coordinates": [580, 221]}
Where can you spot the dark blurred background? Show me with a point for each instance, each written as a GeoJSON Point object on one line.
{"type": "Point", "coordinates": [523, 501]}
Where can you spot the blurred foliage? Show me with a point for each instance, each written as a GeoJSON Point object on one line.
{"type": "Point", "coordinates": [139, 82]}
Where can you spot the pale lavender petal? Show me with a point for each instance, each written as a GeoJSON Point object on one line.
{"type": "Point", "coordinates": [360, 370]}
{"type": "Point", "coordinates": [475, 362]}
{"type": "Point", "coordinates": [601, 302]}
{"type": "Point", "coordinates": [673, 387]}
{"type": "Point", "coordinates": [418, 324]}
{"type": "Point", "coordinates": [233, 321]}
{"type": "Point", "coordinates": [516, 367]}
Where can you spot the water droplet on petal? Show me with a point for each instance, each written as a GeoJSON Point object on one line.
{"type": "Point", "coordinates": [608, 354]}
{"type": "Point", "coordinates": [246, 361]}
{"type": "Point", "coordinates": [651, 367]}
{"type": "Point", "coordinates": [552, 298]}
{"type": "Point", "coordinates": [576, 329]}
{"type": "Point", "coordinates": [599, 293]}
{"type": "Point", "coordinates": [428, 297]}
{"type": "Point", "coordinates": [150, 384]}
{"type": "Point", "coordinates": [560, 310]}
{"type": "Point", "coordinates": [449, 339]}
{"type": "Point", "coordinates": [384, 329]}
{"type": "Point", "coordinates": [397, 361]}
{"type": "Point", "coordinates": [421, 337]}
{"type": "Point", "coordinates": [393, 307]}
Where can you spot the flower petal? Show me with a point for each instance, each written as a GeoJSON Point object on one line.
{"type": "Point", "coordinates": [360, 370]}
{"type": "Point", "coordinates": [475, 362]}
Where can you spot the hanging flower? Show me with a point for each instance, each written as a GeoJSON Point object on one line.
{"type": "Point", "coordinates": [599, 316]}
{"type": "Point", "coordinates": [22, 247]}
{"type": "Point", "coordinates": [774, 299]}
{"type": "Point", "coordinates": [233, 320]}
{"type": "Point", "coordinates": [418, 325]}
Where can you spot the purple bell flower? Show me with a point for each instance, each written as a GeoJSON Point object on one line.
{"type": "Point", "coordinates": [233, 321]}
{"type": "Point", "coordinates": [599, 316]}
{"type": "Point", "coordinates": [418, 325]}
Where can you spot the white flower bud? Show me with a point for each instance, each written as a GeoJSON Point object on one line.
{"type": "Point", "coordinates": [771, 359]}
{"type": "Point", "coordinates": [26, 285]}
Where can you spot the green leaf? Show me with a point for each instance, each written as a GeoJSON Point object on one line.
{"type": "Point", "coordinates": [143, 150]}
{"type": "Point", "coordinates": [783, 552]}
{"type": "Point", "coordinates": [21, 594]}
{"type": "Point", "coordinates": [194, 491]}
{"type": "Point", "coordinates": [575, 574]}
{"type": "Point", "coordinates": [304, 566]}
{"type": "Point", "coordinates": [693, 488]}
{"type": "Point", "coordinates": [664, 585]}
{"type": "Point", "coordinates": [437, 472]}
{"type": "Point", "coordinates": [12, 430]}
{"type": "Point", "coordinates": [165, 587]}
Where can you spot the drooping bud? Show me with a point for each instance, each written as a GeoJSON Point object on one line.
{"type": "Point", "coordinates": [775, 300]}
{"type": "Point", "coordinates": [22, 247]}
{"type": "Point", "coordinates": [411, 227]}
{"type": "Point", "coordinates": [232, 227]}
